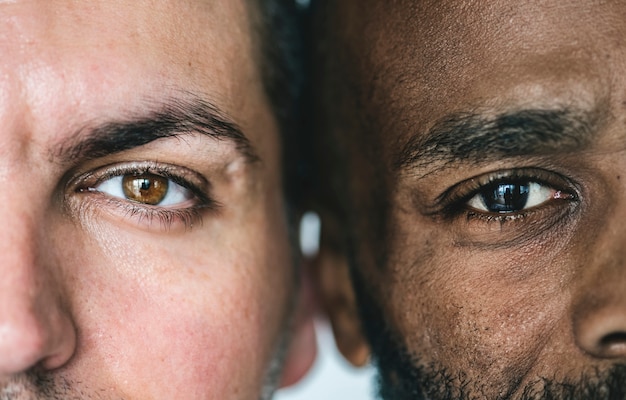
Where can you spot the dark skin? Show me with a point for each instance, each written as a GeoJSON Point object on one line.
{"type": "Point", "coordinates": [483, 192]}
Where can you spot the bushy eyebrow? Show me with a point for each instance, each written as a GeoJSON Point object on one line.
{"type": "Point", "coordinates": [474, 137]}
{"type": "Point", "coordinates": [172, 118]}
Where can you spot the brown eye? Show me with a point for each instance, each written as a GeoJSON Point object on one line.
{"type": "Point", "coordinates": [511, 197]}
{"type": "Point", "coordinates": [147, 189]}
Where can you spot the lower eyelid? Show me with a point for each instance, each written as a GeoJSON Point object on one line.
{"type": "Point", "coordinates": [154, 218]}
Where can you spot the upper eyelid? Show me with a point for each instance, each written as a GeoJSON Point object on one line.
{"type": "Point", "coordinates": [156, 168]}
{"type": "Point", "coordinates": [176, 173]}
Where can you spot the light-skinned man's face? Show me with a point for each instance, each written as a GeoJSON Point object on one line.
{"type": "Point", "coordinates": [488, 149]}
{"type": "Point", "coordinates": [144, 251]}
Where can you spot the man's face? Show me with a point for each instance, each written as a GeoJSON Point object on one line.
{"type": "Point", "coordinates": [492, 137]}
{"type": "Point", "coordinates": [144, 248]}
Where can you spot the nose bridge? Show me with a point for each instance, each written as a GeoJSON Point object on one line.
{"type": "Point", "coordinates": [34, 328]}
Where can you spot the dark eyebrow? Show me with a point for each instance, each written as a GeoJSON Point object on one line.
{"type": "Point", "coordinates": [172, 118]}
{"type": "Point", "coordinates": [475, 138]}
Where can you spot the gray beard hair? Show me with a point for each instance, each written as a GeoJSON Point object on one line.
{"type": "Point", "coordinates": [275, 369]}
{"type": "Point", "coordinates": [35, 385]}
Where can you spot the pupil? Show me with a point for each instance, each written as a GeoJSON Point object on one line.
{"type": "Point", "coordinates": [506, 197]}
{"type": "Point", "coordinates": [144, 184]}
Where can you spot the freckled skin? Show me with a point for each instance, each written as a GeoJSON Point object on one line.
{"type": "Point", "coordinates": [101, 297]}
{"type": "Point", "coordinates": [494, 304]}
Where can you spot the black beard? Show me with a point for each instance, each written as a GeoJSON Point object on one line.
{"type": "Point", "coordinates": [401, 378]}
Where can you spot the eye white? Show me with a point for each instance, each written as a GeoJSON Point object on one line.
{"type": "Point", "coordinates": [175, 195]}
{"type": "Point", "coordinates": [537, 195]}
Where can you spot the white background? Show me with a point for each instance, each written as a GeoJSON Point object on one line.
{"type": "Point", "coordinates": [331, 377]}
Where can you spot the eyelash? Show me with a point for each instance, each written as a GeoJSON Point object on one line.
{"type": "Point", "coordinates": [145, 213]}
{"type": "Point", "coordinates": [453, 202]}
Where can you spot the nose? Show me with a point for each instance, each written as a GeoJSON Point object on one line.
{"type": "Point", "coordinates": [35, 329]}
{"type": "Point", "coordinates": [603, 333]}
{"type": "Point", "coordinates": [600, 318]}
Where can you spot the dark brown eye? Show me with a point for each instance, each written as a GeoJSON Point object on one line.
{"type": "Point", "coordinates": [506, 197]}
{"type": "Point", "coordinates": [147, 189]}
{"type": "Point", "coordinates": [511, 197]}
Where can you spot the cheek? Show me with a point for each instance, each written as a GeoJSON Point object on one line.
{"type": "Point", "coordinates": [496, 311]}
{"type": "Point", "coordinates": [166, 346]}
{"type": "Point", "coordinates": [175, 320]}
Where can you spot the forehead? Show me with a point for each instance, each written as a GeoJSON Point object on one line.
{"type": "Point", "coordinates": [180, 29]}
{"type": "Point", "coordinates": [425, 59]}
{"type": "Point", "coordinates": [60, 53]}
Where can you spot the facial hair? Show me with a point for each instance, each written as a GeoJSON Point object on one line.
{"type": "Point", "coordinates": [38, 385]}
{"type": "Point", "coordinates": [274, 372]}
{"type": "Point", "coordinates": [402, 376]}
{"type": "Point", "coordinates": [35, 384]}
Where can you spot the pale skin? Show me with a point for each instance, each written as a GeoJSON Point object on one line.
{"type": "Point", "coordinates": [109, 298]}
{"type": "Point", "coordinates": [499, 299]}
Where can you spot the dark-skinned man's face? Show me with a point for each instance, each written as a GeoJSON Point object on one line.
{"type": "Point", "coordinates": [487, 193]}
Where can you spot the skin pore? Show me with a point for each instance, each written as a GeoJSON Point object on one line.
{"type": "Point", "coordinates": [145, 244]}
{"type": "Point", "coordinates": [484, 195]}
